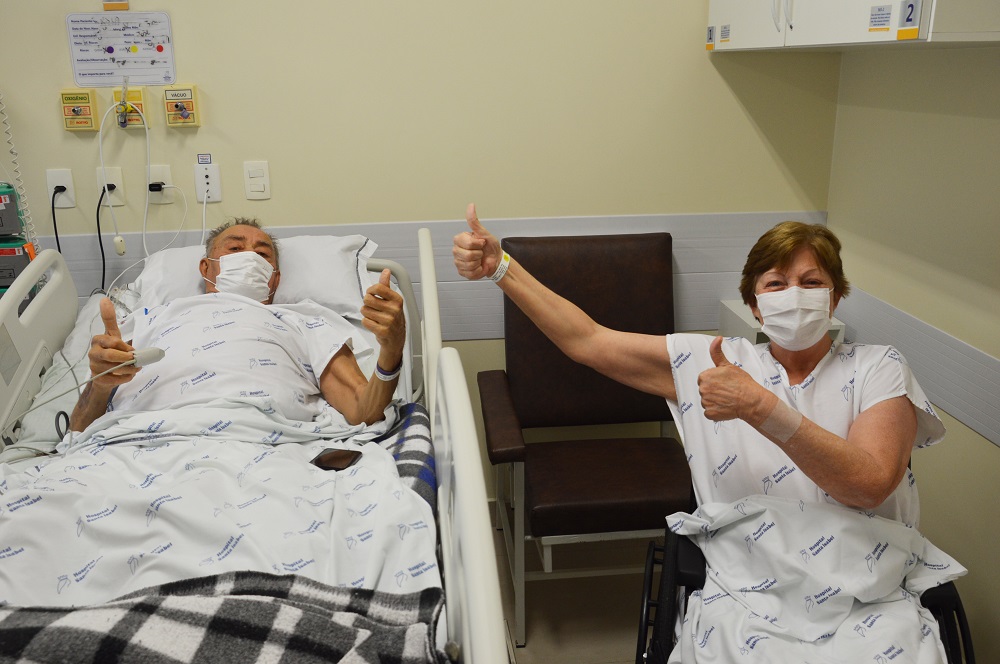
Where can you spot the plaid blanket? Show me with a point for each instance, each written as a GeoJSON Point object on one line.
{"type": "Point", "coordinates": [234, 617]}
{"type": "Point", "coordinates": [409, 443]}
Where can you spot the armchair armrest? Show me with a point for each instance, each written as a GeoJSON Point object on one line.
{"type": "Point", "coordinates": [504, 441]}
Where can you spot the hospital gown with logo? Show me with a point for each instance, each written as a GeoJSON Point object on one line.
{"type": "Point", "coordinates": [769, 532]}
{"type": "Point", "coordinates": [228, 346]}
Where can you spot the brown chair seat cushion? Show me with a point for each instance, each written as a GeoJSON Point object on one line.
{"type": "Point", "coordinates": [592, 486]}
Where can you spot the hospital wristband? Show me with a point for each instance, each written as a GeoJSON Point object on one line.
{"type": "Point", "coordinates": [501, 269]}
{"type": "Point", "coordinates": [387, 376]}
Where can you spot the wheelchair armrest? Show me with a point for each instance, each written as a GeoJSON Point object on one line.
{"type": "Point", "coordinates": [690, 563]}
{"type": "Point", "coordinates": [940, 599]}
{"type": "Point", "coordinates": [504, 440]}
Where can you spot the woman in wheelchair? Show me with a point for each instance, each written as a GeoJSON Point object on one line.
{"type": "Point", "coordinates": [799, 451]}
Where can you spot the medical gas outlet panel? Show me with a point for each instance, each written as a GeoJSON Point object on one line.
{"type": "Point", "coordinates": [81, 108]}
{"type": "Point", "coordinates": [182, 107]}
{"type": "Point", "coordinates": [127, 115]}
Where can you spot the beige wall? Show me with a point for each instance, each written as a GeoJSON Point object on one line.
{"type": "Point", "coordinates": [405, 111]}
{"type": "Point", "coordinates": [914, 197]}
{"type": "Point", "coordinates": [914, 191]}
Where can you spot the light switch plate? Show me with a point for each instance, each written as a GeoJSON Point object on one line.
{"type": "Point", "coordinates": [256, 180]}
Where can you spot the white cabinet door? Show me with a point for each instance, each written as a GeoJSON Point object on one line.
{"type": "Point", "coordinates": [826, 22]}
{"type": "Point", "coordinates": [743, 24]}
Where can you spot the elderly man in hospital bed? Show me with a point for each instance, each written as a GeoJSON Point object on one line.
{"type": "Point", "coordinates": [799, 451]}
{"type": "Point", "coordinates": [198, 464]}
{"type": "Point", "coordinates": [227, 333]}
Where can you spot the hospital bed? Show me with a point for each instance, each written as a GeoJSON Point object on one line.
{"type": "Point", "coordinates": [431, 443]}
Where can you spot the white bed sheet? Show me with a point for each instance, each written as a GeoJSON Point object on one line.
{"type": "Point", "coordinates": [163, 496]}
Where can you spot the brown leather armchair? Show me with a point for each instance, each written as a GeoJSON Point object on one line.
{"type": "Point", "coordinates": [570, 491]}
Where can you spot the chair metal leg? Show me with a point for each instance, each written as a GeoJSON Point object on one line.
{"type": "Point", "coordinates": [519, 534]}
{"type": "Point", "coordinates": [514, 536]}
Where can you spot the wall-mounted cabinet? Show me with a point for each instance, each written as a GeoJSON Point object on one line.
{"type": "Point", "coordinates": [753, 24]}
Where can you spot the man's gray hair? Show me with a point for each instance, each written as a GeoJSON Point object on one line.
{"type": "Point", "coordinates": [239, 221]}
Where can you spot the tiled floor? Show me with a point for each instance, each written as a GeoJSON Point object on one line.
{"type": "Point", "coordinates": [591, 620]}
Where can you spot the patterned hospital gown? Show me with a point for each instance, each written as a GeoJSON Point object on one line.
{"type": "Point", "coordinates": [224, 346]}
{"type": "Point", "coordinates": [730, 460]}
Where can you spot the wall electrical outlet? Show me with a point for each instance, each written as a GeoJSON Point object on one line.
{"type": "Point", "coordinates": [64, 177]}
{"type": "Point", "coordinates": [160, 173]}
{"type": "Point", "coordinates": [114, 198]}
{"type": "Point", "coordinates": [208, 182]}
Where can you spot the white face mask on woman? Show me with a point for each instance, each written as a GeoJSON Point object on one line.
{"type": "Point", "coordinates": [244, 273]}
{"type": "Point", "coordinates": [795, 318]}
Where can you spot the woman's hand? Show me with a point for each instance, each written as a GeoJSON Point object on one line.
{"type": "Point", "coordinates": [729, 393]}
{"type": "Point", "coordinates": [476, 252]}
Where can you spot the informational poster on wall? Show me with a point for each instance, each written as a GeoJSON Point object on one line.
{"type": "Point", "coordinates": [108, 47]}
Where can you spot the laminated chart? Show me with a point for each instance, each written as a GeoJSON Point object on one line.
{"type": "Point", "coordinates": [108, 47]}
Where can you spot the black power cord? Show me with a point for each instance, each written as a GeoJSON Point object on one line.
{"type": "Point", "coordinates": [100, 239]}
{"type": "Point", "coordinates": [58, 189]}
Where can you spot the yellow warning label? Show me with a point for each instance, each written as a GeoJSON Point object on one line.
{"type": "Point", "coordinates": [79, 123]}
{"type": "Point", "coordinates": [176, 118]}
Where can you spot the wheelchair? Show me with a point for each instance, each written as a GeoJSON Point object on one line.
{"type": "Point", "coordinates": [682, 566]}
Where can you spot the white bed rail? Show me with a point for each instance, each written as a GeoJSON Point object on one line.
{"type": "Point", "coordinates": [471, 581]}
{"type": "Point", "coordinates": [416, 341]}
{"type": "Point", "coordinates": [431, 320]}
{"type": "Point", "coordinates": [472, 585]}
{"type": "Point", "coordinates": [28, 340]}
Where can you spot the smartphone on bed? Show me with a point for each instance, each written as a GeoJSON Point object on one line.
{"type": "Point", "coordinates": [331, 459]}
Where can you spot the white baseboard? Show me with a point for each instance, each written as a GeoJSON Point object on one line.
{"type": "Point", "coordinates": [958, 378]}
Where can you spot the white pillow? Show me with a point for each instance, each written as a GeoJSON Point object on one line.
{"type": "Point", "coordinates": [329, 270]}
{"type": "Point", "coordinates": [332, 271]}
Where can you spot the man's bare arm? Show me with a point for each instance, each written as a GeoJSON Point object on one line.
{"type": "Point", "coordinates": [106, 351]}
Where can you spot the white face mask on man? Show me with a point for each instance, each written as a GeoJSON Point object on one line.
{"type": "Point", "coordinates": [244, 273]}
{"type": "Point", "coordinates": [795, 318]}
